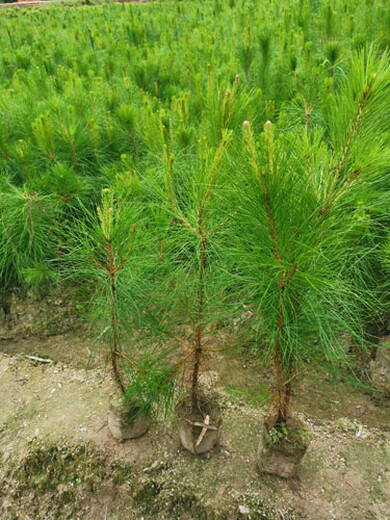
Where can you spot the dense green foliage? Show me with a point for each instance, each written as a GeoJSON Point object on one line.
{"type": "Point", "coordinates": [288, 220]}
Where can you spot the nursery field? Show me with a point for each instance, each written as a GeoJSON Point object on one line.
{"type": "Point", "coordinates": [195, 260]}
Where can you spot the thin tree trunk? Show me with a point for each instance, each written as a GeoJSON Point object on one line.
{"type": "Point", "coordinates": [284, 391]}
{"type": "Point", "coordinates": [198, 329]}
{"type": "Point", "coordinates": [115, 354]}
{"type": "Point", "coordinates": [283, 388]}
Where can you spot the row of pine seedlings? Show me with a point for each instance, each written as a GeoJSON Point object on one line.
{"type": "Point", "coordinates": [188, 212]}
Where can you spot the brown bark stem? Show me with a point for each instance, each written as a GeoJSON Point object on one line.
{"type": "Point", "coordinates": [115, 349]}
{"type": "Point", "coordinates": [199, 316]}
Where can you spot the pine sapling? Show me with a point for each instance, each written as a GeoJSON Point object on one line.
{"type": "Point", "coordinates": [112, 265]}
{"type": "Point", "coordinates": [197, 223]}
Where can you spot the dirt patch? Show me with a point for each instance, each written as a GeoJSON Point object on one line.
{"type": "Point", "coordinates": [344, 475]}
{"type": "Point", "coordinates": [69, 348]}
{"type": "Point", "coordinates": [26, 316]}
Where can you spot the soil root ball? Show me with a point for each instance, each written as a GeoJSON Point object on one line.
{"type": "Point", "coordinates": [127, 423]}
{"type": "Point", "coordinates": [281, 457]}
{"type": "Point", "coordinates": [199, 430]}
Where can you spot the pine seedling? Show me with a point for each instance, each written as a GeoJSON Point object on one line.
{"type": "Point", "coordinates": [190, 194]}
{"type": "Point", "coordinates": [297, 254]}
{"type": "Point", "coordinates": [112, 255]}
{"type": "Point", "coordinates": [293, 256]}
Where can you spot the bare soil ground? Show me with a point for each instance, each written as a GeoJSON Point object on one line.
{"type": "Point", "coordinates": [58, 460]}
{"type": "Point", "coordinates": [50, 413]}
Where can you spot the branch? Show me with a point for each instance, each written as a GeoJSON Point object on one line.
{"type": "Point", "coordinates": [102, 267]}
{"type": "Point", "coordinates": [304, 370]}
{"type": "Point", "coordinates": [132, 363]}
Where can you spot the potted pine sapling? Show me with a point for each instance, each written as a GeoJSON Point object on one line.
{"type": "Point", "coordinates": [190, 250]}
{"type": "Point", "coordinates": [107, 255]}
{"type": "Point", "coordinates": [292, 253]}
